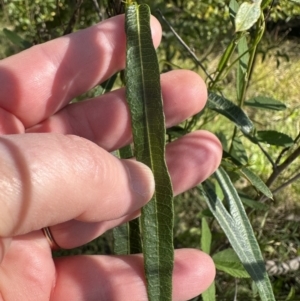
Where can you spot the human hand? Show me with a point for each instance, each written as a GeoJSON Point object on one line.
{"type": "Point", "coordinates": [57, 172]}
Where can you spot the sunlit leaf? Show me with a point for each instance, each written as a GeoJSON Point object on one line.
{"type": "Point", "coordinates": [205, 236]}
{"type": "Point", "coordinates": [231, 111]}
{"type": "Point", "coordinates": [228, 262]}
{"type": "Point", "coordinates": [256, 181]}
{"type": "Point", "coordinates": [242, 76]}
{"type": "Point", "coordinates": [238, 230]}
{"type": "Point", "coordinates": [233, 8]}
{"type": "Point", "coordinates": [267, 103]}
{"type": "Point", "coordinates": [238, 150]}
{"type": "Point", "coordinates": [247, 15]}
{"type": "Point", "coordinates": [274, 138]}
{"type": "Point", "coordinates": [210, 293]}
{"type": "Point", "coordinates": [143, 94]}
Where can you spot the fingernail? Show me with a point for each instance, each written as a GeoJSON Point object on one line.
{"type": "Point", "coordinates": [141, 178]}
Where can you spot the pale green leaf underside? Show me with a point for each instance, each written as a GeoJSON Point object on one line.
{"type": "Point", "coordinates": [143, 94]}
{"type": "Point", "coordinates": [205, 236]}
{"type": "Point", "coordinates": [210, 293]}
{"type": "Point", "coordinates": [228, 262]}
{"type": "Point", "coordinates": [256, 181]}
{"type": "Point", "coordinates": [247, 15]}
{"type": "Point", "coordinates": [239, 232]}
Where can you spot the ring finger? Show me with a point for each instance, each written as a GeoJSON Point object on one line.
{"type": "Point", "coordinates": [191, 159]}
{"type": "Point", "coordinates": [184, 94]}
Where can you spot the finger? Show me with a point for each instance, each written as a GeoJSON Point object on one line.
{"type": "Point", "coordinates": [48, 179]}
{"type": "Point", "coordinates": [191, 159]}
{"type": "Point", "coordinates": [62, 69]}
{"type": "Point", "coordinates": [122, 277]}
{"type": "Point", "coordinates": [106, 120]}
{"type": "Point", "coordinates": [27, 265]}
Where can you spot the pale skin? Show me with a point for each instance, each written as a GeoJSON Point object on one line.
{"type": "Point", "coordinates": [57, 170]}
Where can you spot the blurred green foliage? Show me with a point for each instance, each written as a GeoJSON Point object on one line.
{"type": "Point", "coordinates": [201, 23]}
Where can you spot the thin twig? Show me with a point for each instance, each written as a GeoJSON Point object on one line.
{"type": "Point", "coordinates": [279, 169]}
{"type": "Point", "coordinates": [278, 189]}
{"type": "Point", "coordinates": [287, 149]}
{"type": "Point", "coordinates": [195, 58]}
{"type": "Point", "coordinates": [274, 166]}
{"type": "Point", "coordinates": [73, 18]}
{"type": "Point", "coordinates": [98, 10]}
{"type": "Point", "coordinates": [290, 181]}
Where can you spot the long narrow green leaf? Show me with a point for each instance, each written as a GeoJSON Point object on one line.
{"type": "Point", "coordinates": [206, 237]}
{"type": "Point", "coordinates": [238, 150]}
{"type": "Point", "coordinates": [144, 97]}
{"type": "Point", "coordinates": [233, 8]}
{"type": "Point", "coordinates": [266, 103]}
{"type": "Point", "coordinates": [274, 138]}
{"type": "Point", "coordinates": [121, 240]}
{"type": "Point", "coordinates": [242, 76]}
{"type": "Point", "coordinates": [239, 232]}
{"type": "Point", "coordinates": [127, 237]}
{"type": "Point", "coordinates": [231, 111]}
{"type": "Point", "coordinates": [256, 181]}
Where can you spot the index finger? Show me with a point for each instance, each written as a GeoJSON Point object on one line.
{"type": "Point", "coordinates": [46, 77]}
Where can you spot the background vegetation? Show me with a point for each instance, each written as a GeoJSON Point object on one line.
{"type": "Point", "coordinates": [207, 29]}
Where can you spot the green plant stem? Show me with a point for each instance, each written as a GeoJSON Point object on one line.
{"type": "Point", "coordinates": [259, 34]}
{"type": "Point", "coordinates": [224, 62]}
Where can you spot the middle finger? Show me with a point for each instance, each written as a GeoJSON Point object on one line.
{"type": "Point", "coordinates": [105, 120]}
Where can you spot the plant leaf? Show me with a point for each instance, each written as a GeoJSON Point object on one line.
{"type": "Point", "coordinates": [252, 203]}
{"type": "Point", "coordinates": [121, 239]}
{"type": "Point", "coordinates": [242, 76]}
{"type": "Point", "coordinates": [238, 231]}
{"type": "Point", "coordinates": [143, 94]}
{"type": "Point", "coordinates": [274, 138]}
{"type": "Point", "coordinates": [256, 181]}
{"type": "Point", "coordinates": [16, 39]}
{"type": "Point", "coordinates": [233, 8]}
{"type": "Point", "coordinates": [107, 85]}
{"type": "Point", "coordinates": [238, 151]}
{"type": "Point", "coordinates": [127, 237]}
{"type": "Point", "coordinates": [228, 262]}
{"type": "Point", "coordinates": [210, 293]}
{"type": "Point", "coordinates": [231, 111]}
{"type": "Point", "coordinates": [247, 15]}
{"type": "Point", "coordinates": [267, 103]}
{"type": "Point", "coordinates": [205, 237]}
